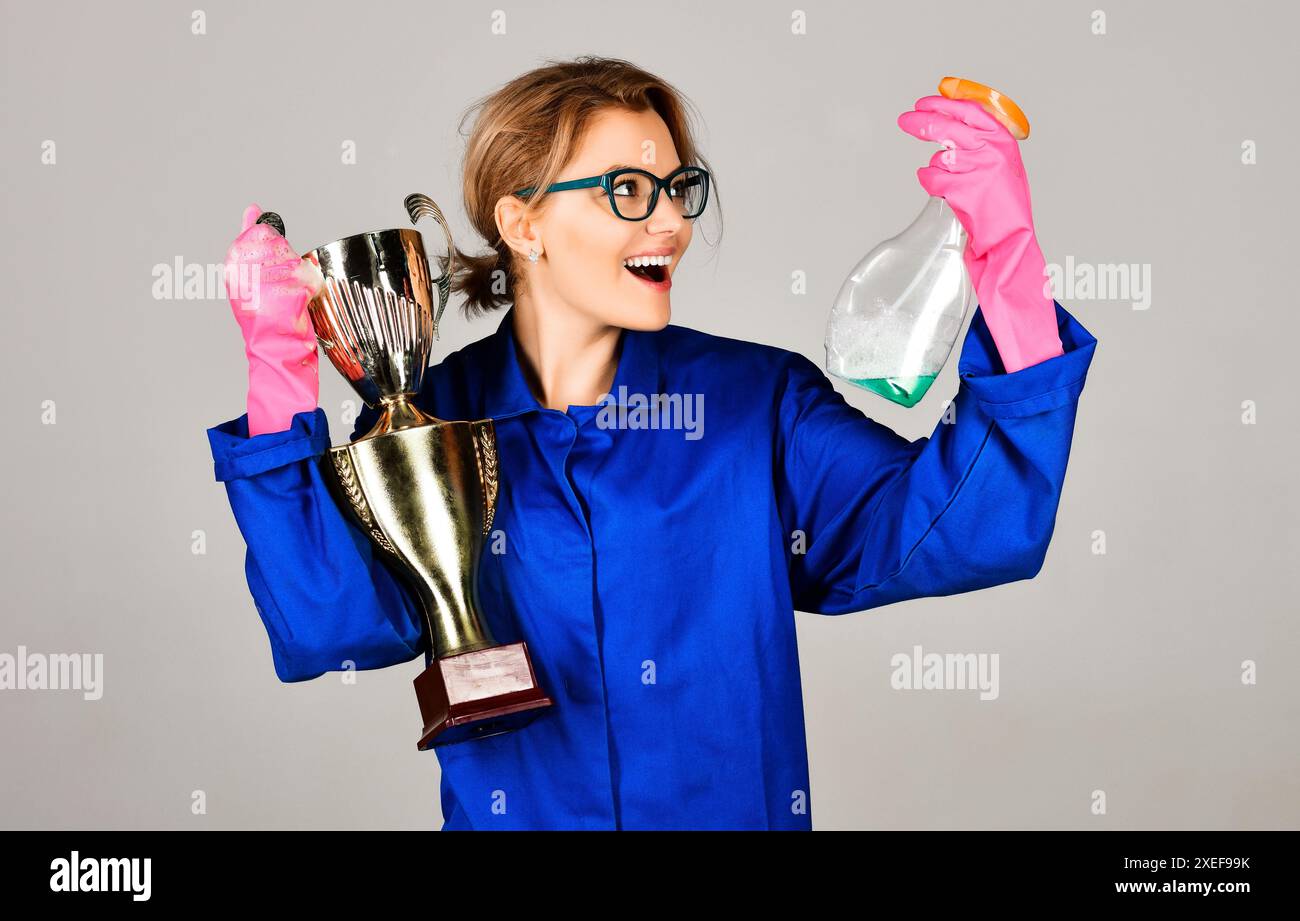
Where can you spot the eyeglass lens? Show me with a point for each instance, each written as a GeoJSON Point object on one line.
{"type": "Point", "coordinates": [632, 193]}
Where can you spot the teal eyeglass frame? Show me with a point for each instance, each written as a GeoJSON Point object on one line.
{"type": "Point", "coordinates": [606, 182]}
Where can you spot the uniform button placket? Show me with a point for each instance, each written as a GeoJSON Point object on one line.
{"type": "Point", "coordinates": [576, 501]}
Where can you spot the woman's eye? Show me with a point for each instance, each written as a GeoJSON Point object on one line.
{"type": "Point", "coordinates": [625, 184]}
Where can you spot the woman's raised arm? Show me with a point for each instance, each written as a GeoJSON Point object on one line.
{"type": "Point", "coordinates": [971, 506]}
{"type": "Point", "coordinates": [326, 601]}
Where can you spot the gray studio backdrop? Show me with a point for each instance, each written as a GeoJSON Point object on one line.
{"type": "Point", "coordinates": [1147, 676]}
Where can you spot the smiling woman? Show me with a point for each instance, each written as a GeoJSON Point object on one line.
{"type": "Point", "coordinates": [591, 123]}
{"type": "Point", "coordinates": [653, 575]}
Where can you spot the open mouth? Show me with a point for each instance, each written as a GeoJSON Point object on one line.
{"type": "Point", "coordinates": [652, 273]}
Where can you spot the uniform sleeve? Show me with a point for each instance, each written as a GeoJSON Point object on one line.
{"type": "Point", "coordinates": [971, 506]}
{"type": "Point", "coordinates": [322, 595]}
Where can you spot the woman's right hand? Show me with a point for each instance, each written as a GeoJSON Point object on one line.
{"type": "Point", "coordinates": [269, 287]}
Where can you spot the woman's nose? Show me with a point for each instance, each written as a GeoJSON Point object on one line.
{"type": "Point", "coordinates": [666, 216]}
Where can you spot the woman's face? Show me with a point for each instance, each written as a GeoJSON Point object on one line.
{"type": "Point", "coordinates": [585, 244]}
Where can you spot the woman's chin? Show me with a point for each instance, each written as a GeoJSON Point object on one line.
{"type": "Point", "coordinates": [643, 310]}
{"type": "Point", "coordinates": [649, 318]}
{"type": "Point", "coordinates": [646, 308]}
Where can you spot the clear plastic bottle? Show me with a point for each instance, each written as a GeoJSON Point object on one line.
{"type": "Point", "coordinates": [898, 314]}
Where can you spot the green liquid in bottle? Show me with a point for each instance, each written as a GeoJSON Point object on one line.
{"type": "Point", "coordinates": [906, 391]}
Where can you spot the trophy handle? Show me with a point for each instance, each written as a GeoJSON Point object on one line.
{"type": "Point", "coordinates": [418, 206]}
{"type": "Point", "coordinates": [485, 450]}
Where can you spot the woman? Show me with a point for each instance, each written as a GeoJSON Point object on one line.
{"type": "Point", "coordinates": [654, 575]}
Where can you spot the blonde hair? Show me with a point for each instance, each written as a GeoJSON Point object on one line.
{"type": "Point", "coordinates": [525, 133]}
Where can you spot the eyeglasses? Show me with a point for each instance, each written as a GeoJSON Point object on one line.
{"type": "Point", "coordinates": [633, 193]}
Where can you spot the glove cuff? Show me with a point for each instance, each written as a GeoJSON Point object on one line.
{"type": "Point", "coordinates": [1011, 283]}
{"type": "Point", "coordinates": [280, 388]}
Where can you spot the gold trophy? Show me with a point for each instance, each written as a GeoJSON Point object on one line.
{"type": "Point", "coordinates": [423, 489]}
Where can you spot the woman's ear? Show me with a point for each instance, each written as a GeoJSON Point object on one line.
{"type": "Point", "coordinates": [518, 228]}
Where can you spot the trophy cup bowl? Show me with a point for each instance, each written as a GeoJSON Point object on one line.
{"type": "Point", "coordinates": [423, 489]}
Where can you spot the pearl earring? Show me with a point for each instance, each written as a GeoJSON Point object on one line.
{"type": "Point", "coordinates": [532, 255]}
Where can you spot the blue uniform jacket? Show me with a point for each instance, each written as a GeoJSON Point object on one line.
{"type": "Point", "coordinates": [654, 571]}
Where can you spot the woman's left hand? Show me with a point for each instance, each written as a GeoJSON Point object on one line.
{"type": "Point", "coordinates": [980, 174]}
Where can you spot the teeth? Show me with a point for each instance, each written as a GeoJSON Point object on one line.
{"type": "Point", "coordinates": [648, 260]}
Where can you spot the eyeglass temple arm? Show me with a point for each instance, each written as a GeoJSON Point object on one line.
{"type": "Point", "coordinates": [569, 184]}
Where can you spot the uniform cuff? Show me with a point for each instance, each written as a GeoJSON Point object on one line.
{"type": "Point", "coordinates": [1038, 388]}
{"type": "Point", "coordinates": [235, 455]}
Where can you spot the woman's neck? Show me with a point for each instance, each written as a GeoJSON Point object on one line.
{"type": "Point", "coordinates": [567, 359]}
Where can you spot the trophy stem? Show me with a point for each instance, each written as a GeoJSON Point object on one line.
{"type": "Point", "coordinates": [399, 412]}
{"type": "Point", "coordinates": [451, 633]}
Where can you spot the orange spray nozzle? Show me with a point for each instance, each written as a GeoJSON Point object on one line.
{"type": "Point", "coordinates": [999, 106]}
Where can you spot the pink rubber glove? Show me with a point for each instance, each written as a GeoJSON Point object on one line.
{"type": "Point", "coordinates": [269, 288]}
{"type": "Point", "coordinates": [984, 182]}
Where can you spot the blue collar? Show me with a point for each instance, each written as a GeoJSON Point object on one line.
{"type": "Point", "coordinates": [506, 391]}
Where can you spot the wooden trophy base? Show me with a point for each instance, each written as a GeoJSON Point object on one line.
{"type": "Point", "coordinates": [478, 694]}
